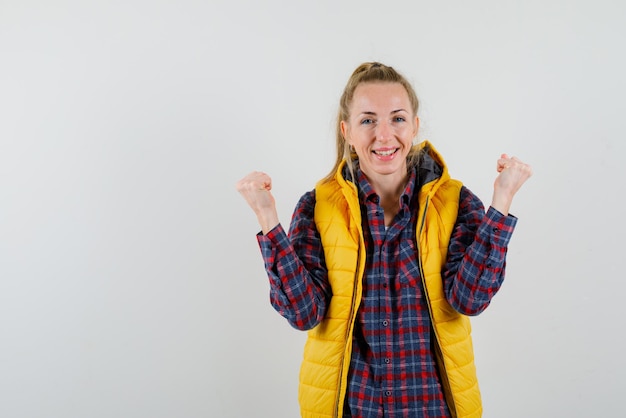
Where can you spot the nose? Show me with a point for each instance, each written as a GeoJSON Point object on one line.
{"type": "Point", "coordinates": [383, 131]}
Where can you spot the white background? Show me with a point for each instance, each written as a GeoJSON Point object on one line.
{"type": "Point", "coordinates": [131, 284]}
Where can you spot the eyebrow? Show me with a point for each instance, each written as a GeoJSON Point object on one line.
{"type": "Point", "coordinates": [374, 113]}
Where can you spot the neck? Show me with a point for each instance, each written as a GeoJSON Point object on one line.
{"type": "Point", "coordinates": [388, 186]}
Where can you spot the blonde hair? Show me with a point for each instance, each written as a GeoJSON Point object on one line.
{"type": "Point", "coordinates": [369, 72]}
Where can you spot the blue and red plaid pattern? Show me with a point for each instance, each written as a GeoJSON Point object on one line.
{"type": "Point", "coordinates": [392, 372]}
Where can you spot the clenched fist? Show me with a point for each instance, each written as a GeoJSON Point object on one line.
{"type": "Point", "coordinates": [513, 173]}
{"type": "Point", "coordinates": [256, 189]}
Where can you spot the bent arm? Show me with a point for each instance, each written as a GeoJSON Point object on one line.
{"type": "Point", "coordinates": [299, 287]}
{"type": "Point", "coordinates": [475, 267]}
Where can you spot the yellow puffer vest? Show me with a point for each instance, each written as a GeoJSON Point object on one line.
{"type": "Point", "coordinates": [324, 371]}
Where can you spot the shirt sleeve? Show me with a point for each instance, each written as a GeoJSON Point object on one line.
{"type": "Point", "coordinates": [475, 266]}
{"type": "Point", "coordinates": [299, 286]}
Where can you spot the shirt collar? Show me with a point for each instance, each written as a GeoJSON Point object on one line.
{"type": "Point", "coordinates": [367, 193]}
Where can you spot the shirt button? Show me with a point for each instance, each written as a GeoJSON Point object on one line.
{"type": "Point", "coordinates": [388, 393]}
{"type": "Point", "coordinates": [495, 230]}
{"type": "Point", "coordinates": [385, 323]}
{"type": "Point", "coordinates": [387, 361]}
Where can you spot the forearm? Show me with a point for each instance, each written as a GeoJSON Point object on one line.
{"type": "Point", "coordinates": [474, 274]}
{"type": "Point", "coordinates": [299, 294]}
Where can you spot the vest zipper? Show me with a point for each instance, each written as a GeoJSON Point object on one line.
{"type": "Point", "coordinates": [438, 352]}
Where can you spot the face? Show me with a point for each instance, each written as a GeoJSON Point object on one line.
{"type": "Point", "coordinates": [381, 128]}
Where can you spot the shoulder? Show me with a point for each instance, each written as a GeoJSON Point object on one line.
{"type": "Point", "coordinates": [306, 203]}
{"type": "Point", "coordinates": [469, 203]}
{"type": "Point", "coordinates": [303, 215]}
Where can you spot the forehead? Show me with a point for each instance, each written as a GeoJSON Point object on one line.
{"type": "Point", "coordinates": [380, 96]}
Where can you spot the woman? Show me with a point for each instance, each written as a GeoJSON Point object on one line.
{"type": "Point", "coordinates": [384, 261]}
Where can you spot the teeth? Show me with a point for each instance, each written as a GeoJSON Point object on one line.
{"type": "Point", "coordinates": [385, 153]}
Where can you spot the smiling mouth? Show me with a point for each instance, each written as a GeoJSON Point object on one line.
{"type": "Point", "coordinates": [385, 153]}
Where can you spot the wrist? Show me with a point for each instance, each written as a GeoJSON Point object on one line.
{"type": "Point", "coordinates": [502, 205]}
{"type": "Point", "coordinates": [268, 222]}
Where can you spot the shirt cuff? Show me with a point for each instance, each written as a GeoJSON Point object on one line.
{"type": "Point", "coordinates": [499, 227]}
{"type": "Point", "coordinates": [272, 243]}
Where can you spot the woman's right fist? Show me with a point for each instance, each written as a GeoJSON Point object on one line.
{"type": "Point", "coordinates": [256, 190]}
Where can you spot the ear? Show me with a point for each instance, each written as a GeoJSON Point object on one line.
{"type": "Point", "coordinates": [417, 126]}
{"type": "Point", "coordinates": [344, 130]}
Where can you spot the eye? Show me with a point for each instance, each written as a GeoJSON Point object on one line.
{"type": "Point", "coordinates": [367, 121]}
{"type": "Point", "coordinates": [399, 119]}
